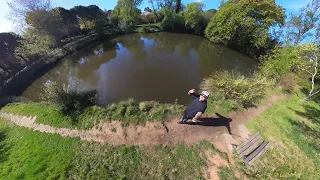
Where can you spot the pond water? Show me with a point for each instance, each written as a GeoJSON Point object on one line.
{"type": "Point", "coordinates": [159, 66]}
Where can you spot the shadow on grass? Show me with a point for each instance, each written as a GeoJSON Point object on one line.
{"type": "Point", "coordinates": [215, 122]}
{"type": "Point", "coordinates": [3, 148]}
{"type": "Point", "coordinates": [306, 92]}
{"type": "Point", "coordinates": [312, 134]}
{"type": "Point", "coordinates": [311, 113]}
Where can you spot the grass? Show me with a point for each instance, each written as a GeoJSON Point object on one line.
{"type": "Point", "coordinates": [26, 154]}
{"type": "Point", "coordinates": [129, 162]}
{"type": "Point", "coordinates": [147, 28]}
{"type": "Point", "coordinates": [32, 155]}
{"type": "Point", "coordinates": [225, 173]}
{"type": "Point", "coordinates": [128, 112]}
{"type": "Point", "coordinates": [293, 128]}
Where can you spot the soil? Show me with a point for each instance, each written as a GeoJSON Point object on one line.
{"type": "Point", "coordinates": [156, 133]}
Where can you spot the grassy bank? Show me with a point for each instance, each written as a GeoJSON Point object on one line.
{"type": "Point", "coordinates": [27, 154]}
{"type": "Point", "coordinates": [128, 112]}
{"type": "Point", "coordinates": [293, 129]}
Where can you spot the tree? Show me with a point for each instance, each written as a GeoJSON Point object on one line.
{"type": "Point", "coordinates": [245, 25]}
{"type": "Point", "coordinates": [194, 18]}
{"type": "Point", "coordinates": [178, 6]}
{"type": "Point", "coordinates": [45, 30]}
{"type": "Point", "coordinates": [209, 14]}
{"type": "Point", "coordinates": [147, 9]}
{"type": "Point", "coordinates": [156, 6]}
{"type": "Point", "coordinates": [304, 25]}
{"type": "Point", "coordinates": [69, 19]}
{"type": "Point", "coordinates": [127, 10]}
{"type": "Point", "coordinates": [172, 22]}
{"type": "Point", "coordinates": [47, 23]}
{"type": "Point", "coordinates": [90, 18]}
{"type": "Point", "coordinates": [308, 54]}
{"type": "Point", "coordinates": [20, 8]}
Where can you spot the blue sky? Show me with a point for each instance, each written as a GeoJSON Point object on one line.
{"type": "Point", "coordinates": [5, 25]}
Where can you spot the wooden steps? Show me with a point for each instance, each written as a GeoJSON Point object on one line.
{"type": "Point", "coordinates": [252, 149]}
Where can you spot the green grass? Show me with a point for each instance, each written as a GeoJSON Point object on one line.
{"type": "Point", "coordinates": [32, 155]}
{"type": "Point", "coordinates": [26, 154]}
{"type": "Point", "coordinates": [46, 113]}
{"type": "Point", "coordinates": [147, 28]}
{"type": "Point", "coordinates": [293, 128]}
{"type": "Point", "coordinates": [225, 173]}
{"type": "Point", "coordinates": [129, 162]}
{"type": "Point", "coordinates": [128, 112]}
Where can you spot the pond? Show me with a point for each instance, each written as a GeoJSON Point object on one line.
{"type": "Point", "coordinates": [158, 66]}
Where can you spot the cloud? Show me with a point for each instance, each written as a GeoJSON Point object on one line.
{"type": "Point", "coordinates": [199, 1]}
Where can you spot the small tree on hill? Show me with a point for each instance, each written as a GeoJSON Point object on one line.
{"type": "Point", "coordinates": [309, 55]}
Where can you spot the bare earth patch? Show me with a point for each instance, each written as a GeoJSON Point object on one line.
{"type": "Point", "coordinates": [153, 133]}
{"type": "Point", "coordinates": [214, 162]}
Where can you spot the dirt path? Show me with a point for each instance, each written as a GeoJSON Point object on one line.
{"type": "Point", "coordinates": [153, 133]}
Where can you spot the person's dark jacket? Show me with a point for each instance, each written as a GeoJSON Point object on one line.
{"type": "Point", "coordinates": [194, 107]}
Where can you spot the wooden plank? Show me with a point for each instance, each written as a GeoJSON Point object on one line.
{"type": "Point", "coordinates": [252, 146]}
{"type": "Point", "coordinates": [256, 152]}
{"type": "Point", "coordinates": [247, 141]}
{"type": "Point", "coordinates": [259, 154]}
{"type": "Point", "coordinates": [248, 144]}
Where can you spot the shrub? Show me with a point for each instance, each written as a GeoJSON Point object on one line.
{"type": "Point", "coordinates": [146, 106]}
{"type": "Point", "coordinates": [244, 91]}
{"type": "Point", "coordinates": [172, 22]}
{"type": "Point", "coordinates": [149, 18]}
{"type": "Point", "coordinates": [114, 20]}
{"type": "Point", "coordinates": [145, 29]}
{"type": "Point", "coordinates": [280, 62]}
{"type": "Point", "coordinates": [69, 101]}
{"type": "Point", "coordinates": [288, 82]}
{"type": "Point", "coordinates": [125, 26]}
{"type": "Point", "coordinates": [131, 111]}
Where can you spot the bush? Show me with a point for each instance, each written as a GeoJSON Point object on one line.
{"type": "Point", "coordinates": [114, 20]}
{"type": "Point", "coordinates": [69, 101]}
{"type": "Point", "coordinates": [279, 63]}
{"type": "Point", "coordinates": [146, 106]}
{"type": "Point", "coordinates": [125, 26]}
{"type": "Point", "coordinates": [131, 111]}
{"type": "Point", "coordinates": [149, 18]}
{"type": "Point", "coordinates": [288, 82]}
{"type": "Point", "coordinates": [145, 29]}
{"type": "Point", "coordinates": [172, 22]}
{"type": "Point", "coordinates": [244, 91]}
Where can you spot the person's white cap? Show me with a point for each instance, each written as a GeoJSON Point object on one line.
{"type": "Point", "coordinates": [206, 93]}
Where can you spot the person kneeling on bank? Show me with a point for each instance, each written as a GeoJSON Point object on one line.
{"type": "Point", "coordinates": [196, 108]}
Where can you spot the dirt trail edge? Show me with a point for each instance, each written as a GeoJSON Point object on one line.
{"type": "Point", "coordinates": [153, 133]}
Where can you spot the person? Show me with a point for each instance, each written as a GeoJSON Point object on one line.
{"type": "Point", "coordinates": [196, 108]}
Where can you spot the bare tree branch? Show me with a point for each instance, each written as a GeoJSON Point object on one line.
{"type": "Point", "coordinates": [311, 93]}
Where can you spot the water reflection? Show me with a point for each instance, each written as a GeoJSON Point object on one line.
{"type": "Point", "coordinates": [158, 66]}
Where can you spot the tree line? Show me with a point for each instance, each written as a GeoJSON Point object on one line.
{"type": "Point", "coordinates": [44, 29]}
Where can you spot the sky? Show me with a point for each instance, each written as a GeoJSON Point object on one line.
{"type": "Point", "coordinates": [291, 6]}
